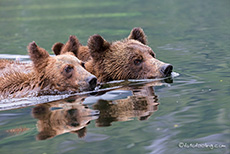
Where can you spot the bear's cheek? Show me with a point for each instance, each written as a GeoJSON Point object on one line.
{"type": "Point", "coordinates": [65, 84]}
{"type": "Point", "coordinates": [60, 86]}
{"type": "Point", "coordinates": [72, 84]}
{"type": "Point", "coordinates": [75, 81]}
{"type": "Point", "coordinates": [78, 83]}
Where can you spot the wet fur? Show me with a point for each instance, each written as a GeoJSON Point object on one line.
{"type": "Point", "coordinates": [47, 75]}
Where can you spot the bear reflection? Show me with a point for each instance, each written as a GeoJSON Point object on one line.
{"type": "Point", "coordinates": [141, 104]}
{"type": "Point", "coordinates": [61, 117]}
{"type": "Point", "coordinates": [122, 104]}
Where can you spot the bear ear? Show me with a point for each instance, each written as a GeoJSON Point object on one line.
{"type": "Point", "coordinates": [97, 44]}
{"type": "Point", "coordinates": [57, 47]}
{"type": "Point", "coordinates": [38, 55]}
{"type": "Point", "coordinates": [72, 45]}
{"type": "Point", "coordinates": [138, 34]}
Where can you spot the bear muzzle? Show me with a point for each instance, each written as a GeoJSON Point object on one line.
{"type": "Point", "coordinates": [92, 81]}
{"type": "Point", "coordinates": [166, 69]}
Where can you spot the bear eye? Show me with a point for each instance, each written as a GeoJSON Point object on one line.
{"type": "Point", "coordinates": [137, 61]}
{"type": "Point", "coordinates": [68, 69]}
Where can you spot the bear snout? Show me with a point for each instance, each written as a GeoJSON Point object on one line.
{"type": "Point", "coordinates": [166, 69]}
{"type": "Point", "coordinates": [92, 81]}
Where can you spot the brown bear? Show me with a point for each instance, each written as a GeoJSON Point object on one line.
{"type": "Point", "coordinates": [50, 75]}
{"type": "Point", "coordinates": [130, 58]}
{"type": "Point", "coordinates": [64, 116]}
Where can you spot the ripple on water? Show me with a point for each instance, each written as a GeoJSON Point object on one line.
{"type": "Point", "coordinates": [14, 103]}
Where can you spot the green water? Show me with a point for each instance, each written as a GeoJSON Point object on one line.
{"type": "Point", "coordinates": [191, 35]}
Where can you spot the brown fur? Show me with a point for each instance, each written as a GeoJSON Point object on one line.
{"type": "Point", "coordinates": [50, 75]}
{"type": "Point", "coordinates": [69, 117]}
{"type": "Point", "coordinates": [73, 44]}
{"type": "Point", "coordinates": [5, 62]}
{"type": "Point", "coordinates": [130, 58]}
{"type": "Point", "coordinates": [8, 66]}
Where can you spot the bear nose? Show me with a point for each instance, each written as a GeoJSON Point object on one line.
{"type": "Point", "coordinates": [92, 81]}
{"type": "Point", "coordinates": [167, 69]}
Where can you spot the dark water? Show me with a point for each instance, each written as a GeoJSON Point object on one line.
{"type": "Point", "coordinates": [190, 115]}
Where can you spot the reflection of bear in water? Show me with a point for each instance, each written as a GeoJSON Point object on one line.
{"type": "Point", "coordinates": [61, 117]}
{"type": "Point", "coordinates": [71, 116]}
{"type": "Point", "coordinates": [142, 105]}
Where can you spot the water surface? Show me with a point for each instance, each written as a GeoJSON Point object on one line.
{"type": "Point", "coordinates": [190, 115]}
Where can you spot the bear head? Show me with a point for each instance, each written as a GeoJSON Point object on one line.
{"type": "Point", "coordinates": [60, 73]}
{"type": "Point", "coordinates": [130, 58]}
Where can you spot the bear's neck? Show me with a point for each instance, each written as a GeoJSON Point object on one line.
{"type": "Point", "coordinates": [97, 69]}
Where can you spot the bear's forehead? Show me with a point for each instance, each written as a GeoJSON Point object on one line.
{"type": "Point", "coordinates": [134, 45]}
{"type": "Point", "coordinates": [67, 59]}
{"type": "Point", "coordinates": [140, 47]}
{"type": "Point", "coordinates": [131, 44]}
